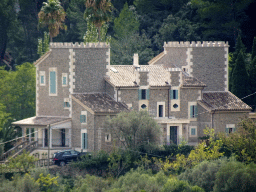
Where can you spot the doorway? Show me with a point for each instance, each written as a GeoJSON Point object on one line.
{"type": "Point", "coordinates": [173, 134]}
{"type": "Point", "coordinates": [63, 138]}
{"type": "Point", "coordinates": [46, 137]}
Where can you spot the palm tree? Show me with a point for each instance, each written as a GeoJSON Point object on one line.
{"type": "Point", "coordinates": [52, 15]}
{"type": "Point", "coordinates": [98, 12]}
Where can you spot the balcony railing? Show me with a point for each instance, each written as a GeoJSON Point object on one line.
{"type": "Point", "coordinates": [55, 142]}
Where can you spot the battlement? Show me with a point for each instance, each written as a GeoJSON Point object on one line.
{"type": "Point", "coordinates": [77, 45]}
{"type": "Point", "coordinates": [142, 69]}
{"type": "Point", "coordinates": [174, 69]}
{"type": "Point", "coordinates": [196, 44]}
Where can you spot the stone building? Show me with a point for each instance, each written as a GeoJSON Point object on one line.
{"type": "Point", "coordinates": [185, 88]}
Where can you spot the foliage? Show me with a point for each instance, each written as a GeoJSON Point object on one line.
{"type": "Point", "coordinates": [243, 142]}
{"type": "Point", "coordinates": [52, 15]}
{"type": "Point", "coordinates": [240, 81]}
{"type": "Point", "coordinates": [203, 174]}
{"type": "Point", "coordinates": [235, 176]}
{"type": "Point", "coordinates": [137, 180]}
{"type": "Point", "coordinates": [43, 45]}
{"type": "Point", "coordinates": [200, 153]}
{"type": "Point", "coordinates": [92, 36]}
{"type": "Point", "coordinates": [90, 184]}
{"type": "Point", "coordinates": [252, 75]}
{"type": "Point", "coordinates": [133, 129]}
{"type": "Point", "coordinates": [128, 41]}
{"type": "Point", "coordinates": [22, 162]}
{"type": "Point", "coordinates": [47, 183]}
{"type": "Point", "coordinates": [175, 185]}
{"type": "Point", "coordinates": [98, 12]}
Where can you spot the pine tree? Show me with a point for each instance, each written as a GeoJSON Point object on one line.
{"type": "Point", "coordinates": [240, 81]}
{"type": "Point", "coordinates": [239, 47]}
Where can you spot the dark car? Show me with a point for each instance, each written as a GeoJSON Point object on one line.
{"type": "Point", "coordinates": [61, 158]}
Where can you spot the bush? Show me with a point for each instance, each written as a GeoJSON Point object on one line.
{"type": "Point", "coordinates": [204, 174]}
{"type": "Point", "coordinates": [236, 176]}
{"type": "Point", "coordinates": [137, 180]}
{"type": "Point", "coordinates": [175, 185]}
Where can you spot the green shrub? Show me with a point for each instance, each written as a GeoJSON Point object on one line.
{"type": "Point", "coordinates": [236, 177]}
{"type": "Point", "coordinates": [203, 174]}
{"type": "Point", "coordinates": [175, 185]}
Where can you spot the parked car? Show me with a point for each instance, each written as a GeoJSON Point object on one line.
{"type": "Point", "coordinates": [61, 158]}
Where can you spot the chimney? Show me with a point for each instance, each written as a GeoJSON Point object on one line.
{"type": "Point", "coordinates": [136, 60]}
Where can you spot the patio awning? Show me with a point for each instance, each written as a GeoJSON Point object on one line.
{"type": "Point", "coordinates": [43, 121]}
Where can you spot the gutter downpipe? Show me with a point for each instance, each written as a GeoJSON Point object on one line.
{"type": "Point", "coordinates": [169, 102]}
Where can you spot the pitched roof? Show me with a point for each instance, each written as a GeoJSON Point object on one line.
{"type": "Point", "coordinates": [42, 120]}
{"type": "Point", "coordinates": [156, 58]}
{"type": "Point", "coordinates": [100, 102]}
{"type": "Point", "coordinates": [191, 81]}
{"type": "Point", "coordinates": [42, 58]}
{"type": "Point", "coordinates": [125, 75]}
{"type": "Point", "coordinates": [223, 101]}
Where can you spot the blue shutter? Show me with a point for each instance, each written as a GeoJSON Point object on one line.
{"type": "Point", "coordinates": [176, 94]}
{"type": "Point", "coordinates": [171, 94]}
{"type": "Point", "coordinates": [147, 94]}
{"type": "Point", "coordinates": [64, 81]}
{"type": "Point", "coordinates": [81, 118]}
{"type": "Point", "coordinates": [84, 141]}
{"type": "Point", "coordinates": [195, 110]}
{"type": "Point", "coordinates": [85, 118]}
{"type": "Point", "coordinates": [42, 79]}
{"type": "Point", "coordinates": [68, 105]}
{"type": "Point", "coordinates": [53, 82]}
{"type": "Point", "coordinates": [193, 131]}
{"type": "Point", "coordinates": [64, 105]}
{"type": "Point", "coordinates": [191, 111]}
{"type": "Point", "coordinates": [139, 93]}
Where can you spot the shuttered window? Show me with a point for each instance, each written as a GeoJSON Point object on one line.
{"type": "Point", "coordinates": [52, 82]}
{"type": "Point", "coordinates": [84, 141]}
{"type": "Point", "coordinates": [193, 131]}
{"type": "Point", "coordinates": [83, 118]}
{"type": "Point", "coordinates": [193, 111]}
{"type": "Point", "coordinates": [143, 94]}
{"type": "Point", "coordinates": [174, 94]}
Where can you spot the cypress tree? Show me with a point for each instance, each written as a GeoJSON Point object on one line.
{"type": "Point", "coordinates": [240, 80]}
{"type": "Point", "coordinates": [252, 75]}
{"type": "Point", "coordinates": [253, 49]}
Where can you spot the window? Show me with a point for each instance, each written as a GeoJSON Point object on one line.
{"type": "Point", "coordinates": [193, 131]}
{"type": "Point", "coordinates": [66, 103]}
{"type": "Point", "coordinates": [193, 111]}
{"type": "Point", "coordinates": [53, 82]}
{"type": "Point", "coordinates": [83, 116]}
{"type": "Point", "coordinates": [84, 139]}
{"type": "Point", "coordinates": [143, 94]}
{"type": "Point", "coordinates": [174, 94]}
{"type": "Point", "coordinates": [107, 137]}
{"type": "Point", "coordinates": [230, 128]}
{"type": "Point", "coordinates": [64, 79]}
{"type": "Point", "coordinates": [42, 78]}
{"type": "Point", "coordinates": [160, 111]}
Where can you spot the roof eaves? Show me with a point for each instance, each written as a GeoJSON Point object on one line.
{"type": "Point", "coordinates": [156, 58]}
{"type": "Point", "coordinates": [82, 105]}
{"type": "Point", "coordinates": [42, 58]}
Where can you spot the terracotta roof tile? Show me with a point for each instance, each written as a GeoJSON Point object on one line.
{"type": "Point", "coordinates": [223, 101]}
{"type": "Point", "coordinates": [100, 102]}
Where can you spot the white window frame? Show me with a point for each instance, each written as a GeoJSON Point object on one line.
{"type": "Point", "coordinates": [190, 128]}
{"type": "Point", "coordinates": [230, 126]}
{"type": "Point", "coordinates": [42, 73]}
{"type": "Point", "coordinates": [107, 139]}
{"type": "Point", "coordinates": [161, 103]}
{"type": "Point", "coordinates": [64, 75]}
{"type": "Point", "coordinates": [56, 81]}
{"type": "Point", "coordinates": [84, 113]}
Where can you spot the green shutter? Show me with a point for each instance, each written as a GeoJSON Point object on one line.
{"type": "Point", "coordinates": [227, 130]}
{"type": "Point", "coordinates": [196, 113]}
{"type": "Point", "coordinates": [53, 82]}
{"type": "Point", "coordinates": [85, 118]}
{"type": "Point", "coordinates": [81, 118]}
{"type": "Point", "coordinates": [64, 81]}
{"type": "Point", "coordinates": [191, 111]}
{"type": "Point", "coordinates": [176, 96]}
{"type": "Point", "coordinates": [64, 105]}
{"type": "Point", "coordinates": [234, 129]}
{"type": "Point", "coordinates": [139, 93]}
{"type": "Point", "coordinates": [68, 105]}
{"type": "Point", "coordinates": [171, 94]}
{"type": "Point", "coordinates": [147, 94]}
